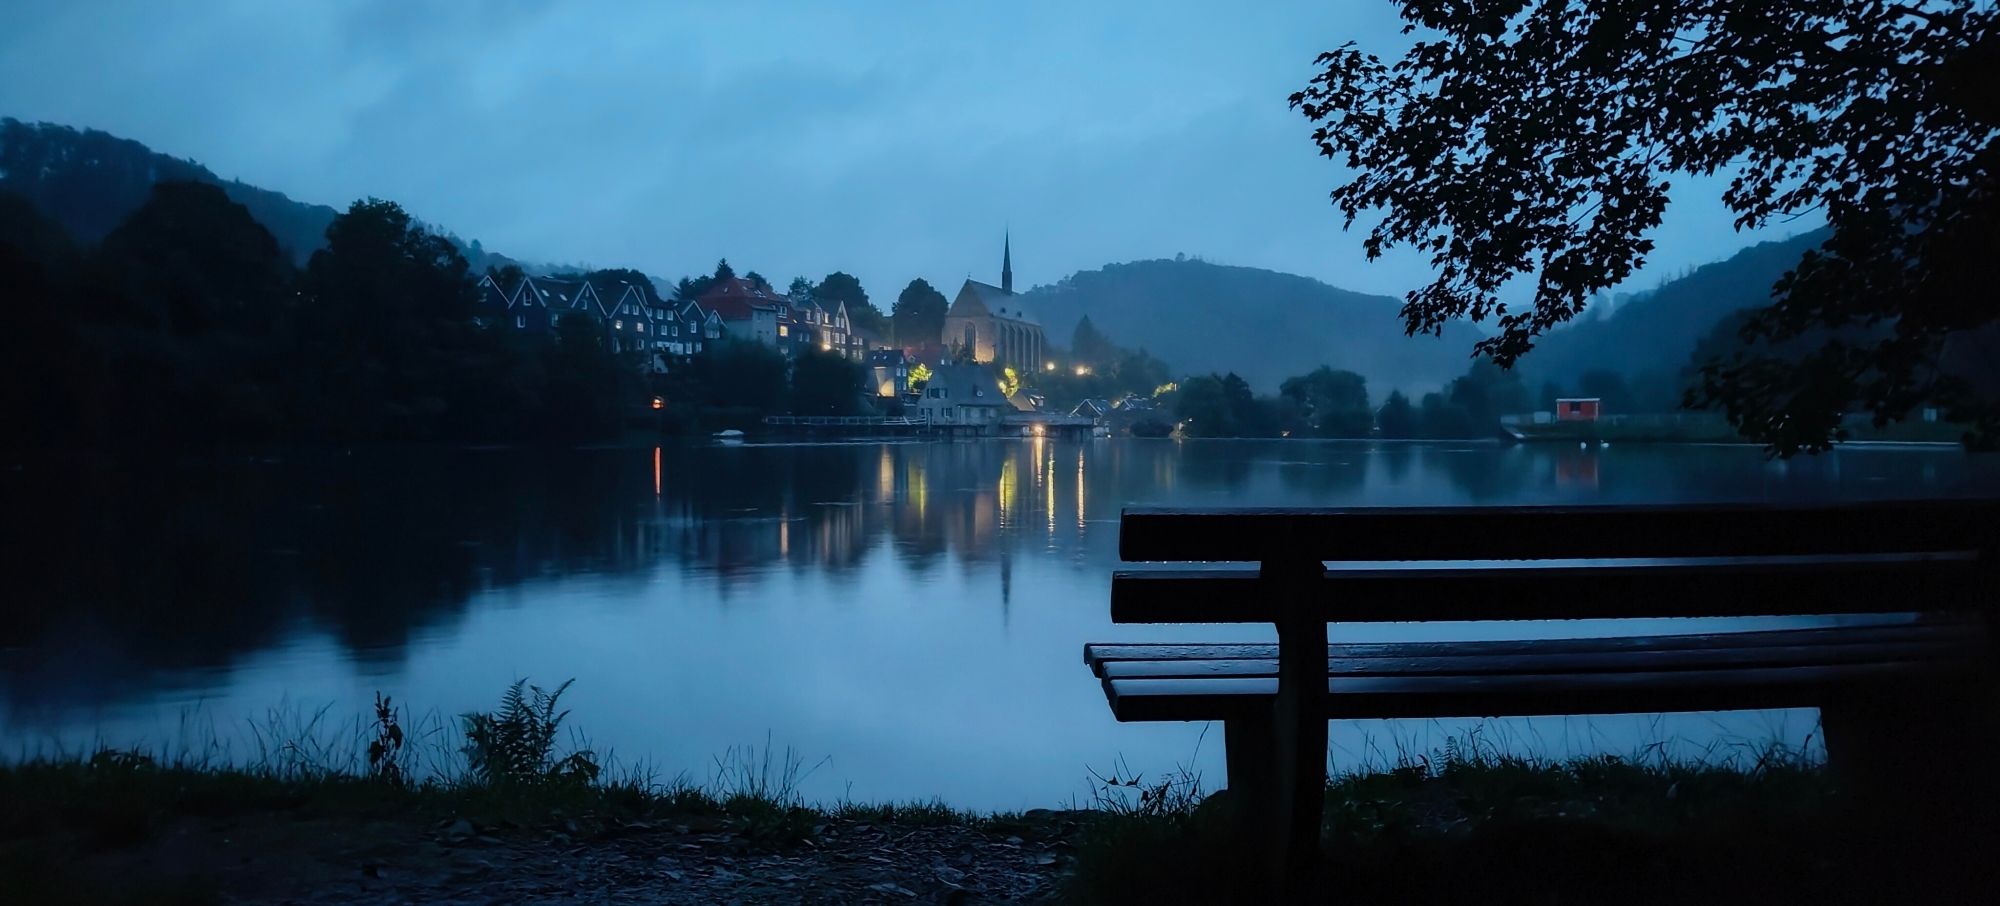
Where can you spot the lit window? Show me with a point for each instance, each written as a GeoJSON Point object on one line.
{"type": "Point", "coordinates": [782, 331]}
{"type": "Point", "coordinates": [618, 324]}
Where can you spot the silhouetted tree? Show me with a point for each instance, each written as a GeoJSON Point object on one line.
{"type": "Point", "coordinates": [739, 374]}
{"type": "Point", "coordinates": [1090, 345]}
{"type": "Point", "coordinates": [1536, 139]}
{"type": "Point", "coordinates": [195, 260]}
{"type": "Point", "coordinates": [824, 383]}
{"type": "Point", "coordinates": [1330, 403]}
{"type": "Point", "coordinates": [723, 271]}
{"type": "Point", "coordinates": [838, 288]}
{"type": "Point", "coordinates": [1609, 387]}
{"type": "Point", "coordinates": [1397, 418]}
{"type": "Point", "coordinates": [1223, 406]}
{"type": "Point", "coordinates": [918, 316]}
{"type": "Point", "coordinates": [386, 329]}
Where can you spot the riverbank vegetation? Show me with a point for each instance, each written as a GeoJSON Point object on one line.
{"type": "Point", "coordinates": [396, 795]}
{"type": "Point", "coordinates": [188, 324]}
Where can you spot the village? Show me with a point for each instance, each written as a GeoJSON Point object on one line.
{"type": "Point", "coordinates": [963, 381]}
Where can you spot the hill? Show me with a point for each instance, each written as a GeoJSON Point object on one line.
{"type": "Point", "coordinates": [1263, 325]}
{"type": "Point", "coordinates": [1652, 335]}
{"type": "Point", "coordinates": [89, 181]}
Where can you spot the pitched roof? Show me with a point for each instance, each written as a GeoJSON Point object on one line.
{"type": "Point", "coordinates": [613, 293]}
{"type": "Point", "coordinates": [491, 295]}
{"type": "Point", "coordinates": [735, 298]}
{"type": "Point", "coordinates": [551, 292]}
{"type": "Point", "coordinates": [978, 300]}
{"type": "Point", "coordinates": [971, 385]}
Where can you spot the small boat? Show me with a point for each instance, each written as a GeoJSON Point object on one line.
{"type": "Point", "coordinates": [729, 435]}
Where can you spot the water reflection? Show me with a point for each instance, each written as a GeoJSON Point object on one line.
{"type": "Point", "coordinates": [142, 585]}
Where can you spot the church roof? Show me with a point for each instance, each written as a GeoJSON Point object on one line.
{"type": "Point", "coordinates": [979, 300]}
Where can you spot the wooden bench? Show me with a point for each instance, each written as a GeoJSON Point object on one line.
{"type": "Point", "coordinates": [1317, 567]}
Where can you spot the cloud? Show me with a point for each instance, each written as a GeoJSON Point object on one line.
{"type": "Point", "coordinates": [892, 140]}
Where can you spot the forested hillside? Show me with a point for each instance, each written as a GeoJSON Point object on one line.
{"type": "Point", "coordinates": [1263, 325]}
{"type": "Point", "coordinates": [1648, 340]}
{"type": "Point", "coordinates": [90, 181]}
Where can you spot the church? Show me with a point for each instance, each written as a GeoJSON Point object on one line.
{"type": "Point", "coordinates": [985, 323]}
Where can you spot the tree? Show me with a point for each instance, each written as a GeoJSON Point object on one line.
{"type": "Point", "coordinates": [1331, 403]}
{"type": "Point", "coordinates": [506, 277]}
{"type": "Point", "coordinates": [1609, 387]}
{"type": "Point", "coordinates": [1397, 418]}
{"type": "Point", "coordinates": [616, 275]}
{"type": "Point", "coordinates": [842, 288]}
{"type": "Point", "coordinates": [1535, 140]}
{"type": "Point", "coordinates": [1440, 418]}
{"type": "Point", "coordinates": [1485, 393]}
{"type": "Point", "coordinates": [1090, 345]}
{"type": "Point", "coordinates": [386, 322]}
{"type": "Point", "coordinates": [918, 315]}
{"type": "Point", "coordinates": [1546, 400]}
{"type": "Point", "coordinates": [196, 260]}
{"type": "Point", "coordinates": [741, 374]}
{"type": "Point", "coordinates": [1223, 406]}
{"type": "Point", "coordinates": [691, 288]}
{"type": "Point", "coordinates": [723, 271]}
{"type": "Point", "coordinates": [1202, 406]}
{"type": "Point", "coordinates": [800, 290]}
{"type": "Point", "coordinates": [825, 383]}
{"type": "Point", "coordinates": [583, 377]}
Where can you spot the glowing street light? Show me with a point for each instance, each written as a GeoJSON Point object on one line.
{"type": "Point", "coordinates": [1082, 370]}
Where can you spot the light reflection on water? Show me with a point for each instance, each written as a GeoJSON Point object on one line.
{"type": "Point", "coordinates": [914, 612]}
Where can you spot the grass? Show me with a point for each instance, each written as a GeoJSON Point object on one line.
{"type": "Point", "coordinates": [502, 767]}
{"type": "Point", "coordinates": [1470, 820]}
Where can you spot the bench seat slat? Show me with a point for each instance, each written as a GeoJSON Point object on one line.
{"type": "Point", "coordinates": [1590, 662]}
{"type": "Point", "coordinates": [1568, 589]}
{"type": "Point", "coordinates": [1527, 532]}
{"type": "Point", "coordinates": [1096, 655]}
{"type": "Point", "coordinates": [1471, 696]}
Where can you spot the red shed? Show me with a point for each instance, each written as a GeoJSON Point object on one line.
{"type": "Point", "coordinates": [1579, 409]}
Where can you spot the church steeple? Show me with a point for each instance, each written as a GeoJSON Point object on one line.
{"type": "Point", "coordinates": [1007, 263]}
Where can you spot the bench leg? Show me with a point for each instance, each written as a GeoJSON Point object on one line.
{"type": "Point", "coordinates": [1300, 789]}
{"type": "Point", "coordinates": [1250, 750]}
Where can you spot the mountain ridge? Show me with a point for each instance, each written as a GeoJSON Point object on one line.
{"type": "Point", "coordinates": [89, 181]}
{"type": "Point", "coordinates": [1285, 324]}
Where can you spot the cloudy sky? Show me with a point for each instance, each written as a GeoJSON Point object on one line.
{"type": "Point", "coordinates": [889, 139]}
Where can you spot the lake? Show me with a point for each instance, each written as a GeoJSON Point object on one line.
{"type": "Point", "coordinates": [909, 617]}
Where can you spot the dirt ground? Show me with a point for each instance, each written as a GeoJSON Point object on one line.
{"type": "Point", "coordinates": [281, 858]}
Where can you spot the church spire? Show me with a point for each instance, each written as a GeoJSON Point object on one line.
{"type": "Point", "coordinates": [1007, 263]}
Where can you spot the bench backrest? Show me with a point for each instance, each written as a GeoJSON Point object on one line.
{"type": "Point", "coordinates": [1564, 562]}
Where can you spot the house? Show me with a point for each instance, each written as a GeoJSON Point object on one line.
{"type": "Point", "coordinates": [748, 311]}
{"type": "Point", "coordinates": [1579, 409]}
{"type": "Point", "coordinates": [963, 395]}
{"type": "Point", "coordinates": [888, 373]}
{"type": "Point", "coordinates": [629, 323]}
{"type": "Point", "coordinates": [491, 307]}
{"type": "Point", "coordinates": [985, 323]}
{"type": "Point", "coordinates": [1097, 409]}
{"type": "Point", "coordinates": [539, 302]}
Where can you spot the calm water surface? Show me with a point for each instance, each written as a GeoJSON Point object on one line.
{"type": "Point", "coordinates": [912, 614]}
